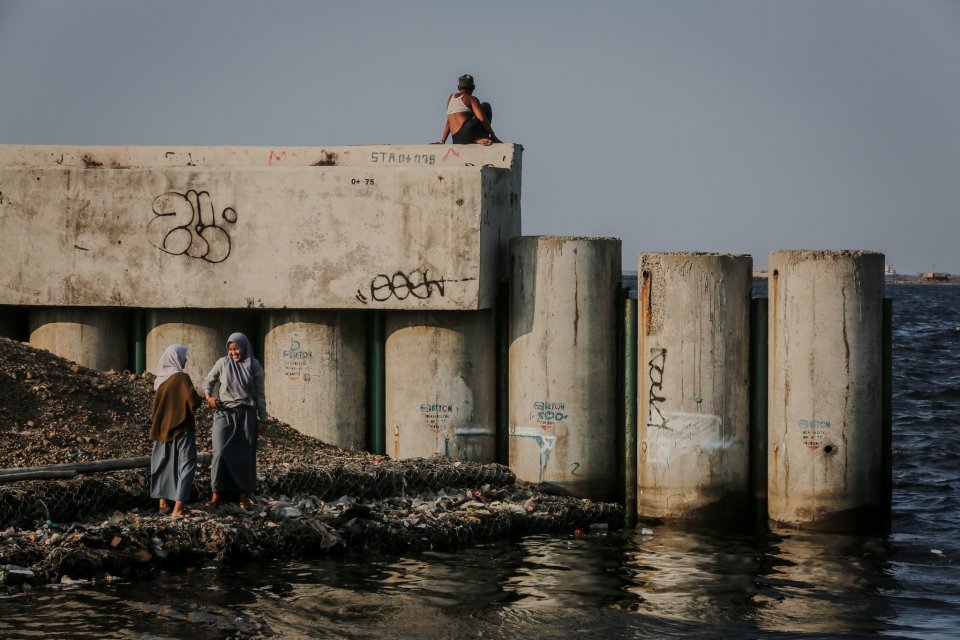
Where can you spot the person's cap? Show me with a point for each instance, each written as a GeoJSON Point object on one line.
{"type": "Point", "coordinates": [465, 82]}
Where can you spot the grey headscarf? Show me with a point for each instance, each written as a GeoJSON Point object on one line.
{"type": "Point", "coordinates": [171, 362]}
{"type": "Point", "coordinates": [237, 379]}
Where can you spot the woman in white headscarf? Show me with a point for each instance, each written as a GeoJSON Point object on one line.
{"type": "Point", "coordinates": [174, 459]}
{"type": "Point", "coordinates": [235, 391]}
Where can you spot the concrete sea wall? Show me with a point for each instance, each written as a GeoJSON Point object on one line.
{"type": "Point", "coordinates": [397, 308]}
{"type": "Point", "coordinates": [311, 238]}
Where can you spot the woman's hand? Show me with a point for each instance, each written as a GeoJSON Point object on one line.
{"type": "Point", "coordinates": [212, 402]}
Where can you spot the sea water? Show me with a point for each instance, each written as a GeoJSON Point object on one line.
{"type": "Point", "coordinates": [664, 583]}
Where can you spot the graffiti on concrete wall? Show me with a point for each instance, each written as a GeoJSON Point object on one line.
{"type": "Point", "coordinates": [655, 367]}
{"type": "Point", "coordinates": [187, 224]}
{"type": "Point", "coordinates": [437, 416]}
{"type": "Point", "coordinates": [416, 284]}
{"type": "Point", "coordinates": [295, 361]}
{"type": "Point", "coordinates": [550, 424]}
{"type": "Point", "coordinates": [544, 440]}
{"type": "Point", "coordinates": [548, 414]}
{"type": "Point", "coordinates": [390, 157]}
{"type": "Point", "coordinates": [814, 432]}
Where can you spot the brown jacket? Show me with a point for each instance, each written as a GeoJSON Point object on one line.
{"type": "Point", "coordinates": [173, 407]}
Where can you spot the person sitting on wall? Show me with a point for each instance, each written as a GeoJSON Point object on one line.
{"type": "Point", "coordinates": [467, 118]}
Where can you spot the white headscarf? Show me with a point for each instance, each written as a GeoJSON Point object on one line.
{"type": "Point", "coordinates": [170, 362]}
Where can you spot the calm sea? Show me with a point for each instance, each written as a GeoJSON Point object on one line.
{"type": "Point", "coordinates": [673, 584]}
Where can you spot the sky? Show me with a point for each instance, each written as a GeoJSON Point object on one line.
{"type": "Point", "coordinates": [731, 126]}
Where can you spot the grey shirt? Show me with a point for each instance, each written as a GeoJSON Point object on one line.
{"type": "Point", "coordinates": [211, 387]}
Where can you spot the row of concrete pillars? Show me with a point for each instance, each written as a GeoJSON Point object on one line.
{"type": "Point", "coordinates": [663, 402]}
{"type": "Point", "coordinates": [779, 406]}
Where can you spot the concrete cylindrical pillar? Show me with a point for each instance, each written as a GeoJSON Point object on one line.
{"type": "Point", "coordinates": [315, 364]}
{"type": "Point", "coordinates": [825, 416]}
{"type": "Point", "coordinates": [204, 332]}
{"type": "Point", "coordinates": [441, 383]}
{"type": "Point", "coordinates": [94, 338]}
{"type": "Point", "coordinates": [563, 362]}
{"type": "Point", "coordinates": [694, 404]}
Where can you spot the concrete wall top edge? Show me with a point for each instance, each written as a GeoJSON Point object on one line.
{"type": "Point", "coordinates": [564, 238]}
{"type": "Point", "coordinates": [814, 254]}
{"type": "Point", "coordinates": [411, 156]}
{"type": "Point", "coordinates": [694, 254]}
{"type": "Point", "coordinates": [287, 171]}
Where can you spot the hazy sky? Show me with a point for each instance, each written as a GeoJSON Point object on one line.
{"type": "Point", "coordinates": [738, 126]}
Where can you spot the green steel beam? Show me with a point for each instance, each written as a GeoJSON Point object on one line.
{"type": "Point", "coordinates": [630, 412]}
{"type": "Point", "coordinates": [376, 383]}
{"type": "Point", "coordinates": [759, 315]}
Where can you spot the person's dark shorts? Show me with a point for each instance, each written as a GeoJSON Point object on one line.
{"type": "Point", "coordinates": [471, 131]}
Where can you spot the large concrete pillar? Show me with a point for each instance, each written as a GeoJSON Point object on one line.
{"type": "Point", "coordinates": [694, 406]}
{"type": "Point", "coordinates": [315, 363]}
{"type": "Point", "coordinates": [204, 332]}
{"type": "Point", "coordinates": [825, 419]}
{"type": "Point", "coordinates": [563, 362]}
{"type": "Point", "coordinates": [441, 385]}
{"type": "Point", "coordinates": [94, 338]}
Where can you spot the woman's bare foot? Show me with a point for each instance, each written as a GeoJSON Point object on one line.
{"type": "Point", "coordinates": [214, 500]}
{"type": "Point", "coordinates": [178, 510]}
{"type": "Point", "coordinates": [243, 501]}
{"type": "Point", "coordinates": [164, 506]}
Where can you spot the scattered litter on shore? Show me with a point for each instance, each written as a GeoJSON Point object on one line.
{"type": "Point", "coordinates": [313, 498]}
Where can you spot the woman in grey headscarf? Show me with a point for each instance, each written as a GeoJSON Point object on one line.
{"type": "Point", "coordinates": [234, 390]}
{"type": "Point", "coordinates": [174, 459]}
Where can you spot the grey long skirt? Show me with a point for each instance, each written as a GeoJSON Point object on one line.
{"type": "Point", "coordinates": [234, 464]}
{"type": "Point", "coordinates": [172, 466]}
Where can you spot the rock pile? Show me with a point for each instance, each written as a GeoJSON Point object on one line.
{"type": "Point", "coordinates": [314, 498]}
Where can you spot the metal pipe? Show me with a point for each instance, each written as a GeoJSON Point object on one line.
{"type": "Point", "coordinates": [70, 469]}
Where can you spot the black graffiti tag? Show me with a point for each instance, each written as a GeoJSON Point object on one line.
{"type": "Point", "coordinates": [657, 363]}
{"type": "Point", "coordinates": [402, 285]}
{"type": "Point", "coordinates": [185, 224]}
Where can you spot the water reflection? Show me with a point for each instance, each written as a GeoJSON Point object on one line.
{"type": "Point", "coordinates": [675, 583]}
{"type": "Point", "coordinates": [828, 583]}
{"type": "Point", "coordinates": [694, 577]}
{"type": "Point", "coordinates": [804, 583]}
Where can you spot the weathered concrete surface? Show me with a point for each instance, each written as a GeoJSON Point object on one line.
{"type": "Point", "coordinates": [294, 237]}
{"type": "Point", "coordinates": [693, 426]}
{"type": "Point", "coordinates": [427, 156]}
{"type": "Point", "coordinates": [825, 423]}
{"type": "Point", "coordinates": [94, 338]}
{"type": "Point", "coordinates": [424, 156]}
{"type": "Point", "coordinates": [441, 385]}
{"type": "Point", "coordinates": [315, 366]}
{"type": "Point", "coordinates": [563, 362]}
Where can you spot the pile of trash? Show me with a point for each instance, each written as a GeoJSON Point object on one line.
{"type": "Point", "coordinates": [313, 498]}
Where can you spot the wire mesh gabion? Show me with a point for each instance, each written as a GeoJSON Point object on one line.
{"type": "Point", "coordinates": [313, 498]}
{"type": "Point", "coordinates": [100, 526]}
